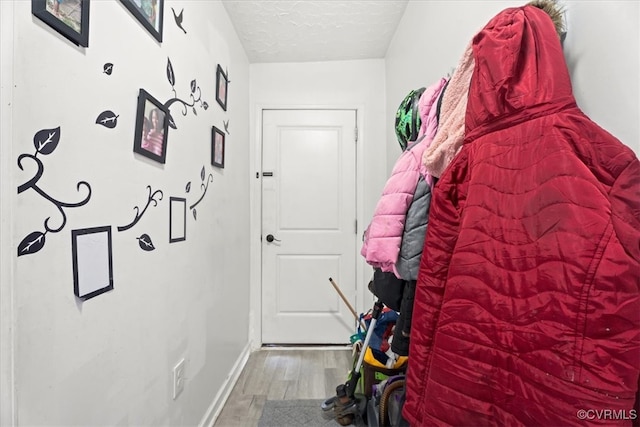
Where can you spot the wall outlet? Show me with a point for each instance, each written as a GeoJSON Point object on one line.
{"type": "Point", "coordinates": [178, 378]}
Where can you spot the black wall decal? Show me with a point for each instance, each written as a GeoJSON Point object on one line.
{"type": "Point", "coordinates": [188, 187]}
{"type": "Point", "coordinates": [145, 242]}
{"type": "Point", "coordinates": [150, 199]}
{"type": "Point", "coordinates": [195, 96]}
{"type": "Point", "coordinates": [226, 126]}
{"type": "Point", "coordinates": [177, 219]}
{"type": "Point", "coordinates": [170, 76]}
{"type": "Point", "coordinates": [204, 186]}
{"type": "Point", "coordinates": [92, 253]}
{"type": "Point", "coordinates": [178, 19]}
{"type": "Point", "coordinates": [108, 119]}
{"type": "Point", "coordinates": [45, 142]}
{"type": "Point", "coordinates": [222, 86]}
{"type": "Point", "coordinates": [107, 68]}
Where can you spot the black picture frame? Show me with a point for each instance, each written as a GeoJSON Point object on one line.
{"type": "Point", "coordinates": [92, 254]}
{"type": "Point", "coordinates": [222, 87]}
{"type": "Point", "coordinates": [63, 16]}
{"type": "Point", "coordinates": [152, 128]}
{"type": "Point", "coordinates": [177, 219]}
{"type": "Point", "coordinates": [218, 138]}
{"type": "Point", "coordinates": [146, 11]}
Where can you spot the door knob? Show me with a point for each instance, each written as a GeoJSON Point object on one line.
{"type": "Point", "coordinates": [270, 238]}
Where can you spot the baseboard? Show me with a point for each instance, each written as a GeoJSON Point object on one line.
{"type": "Point", "coordinates": [223, 394]}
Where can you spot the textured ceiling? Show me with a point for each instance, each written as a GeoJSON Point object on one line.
{"type": "Point", "coordinates": [312, 30]}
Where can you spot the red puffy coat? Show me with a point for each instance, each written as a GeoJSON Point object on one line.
{"type": "Point", "coordinates": [527, 307]}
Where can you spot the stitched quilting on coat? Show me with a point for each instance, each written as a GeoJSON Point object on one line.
{"type": "Point", "coordinates": [527, 306]}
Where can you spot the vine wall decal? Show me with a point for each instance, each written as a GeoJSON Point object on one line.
{"type": "Point", "coordinates": [195, 96]}
{"type": "Point", "coordinates": [151, 199]}
{"type": "Point", "coordinates": [204, 187]}
{"type": "Point", "coordinates": [144, 241]}
{"type": "Point", "coordinates": [226, 126]}
{"type": "Point", "coordinates": [45, 142]}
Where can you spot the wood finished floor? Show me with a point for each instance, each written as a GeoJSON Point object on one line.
{"type": "Point", "coordinates": [283, 374]}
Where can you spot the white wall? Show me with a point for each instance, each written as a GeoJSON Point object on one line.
{"type": "Point", "coordinates": [6, 188]}
{"type": "Point", "coordinates": [603, 54]}
{"type": "Point", "coordinates": [602, 51]}
{"type": "Point", "coordinates": [355, 84]}
{"type": "Point", "coordinates": [108, 360]}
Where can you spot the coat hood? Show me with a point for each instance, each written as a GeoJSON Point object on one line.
{"type": "Point", "coordinates": [520, 72]}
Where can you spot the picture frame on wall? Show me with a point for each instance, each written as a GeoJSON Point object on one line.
{"type": "Point", "coordinates": [70, 18]}
{"type": "Point", "coordinates": [217, 147]}
{"type": "Point", "coordinates": [177, 219]}
{"type": "Point", "coordinates": [150, 13]}
{"type": "Point", "coordinates": [92, 261]}
{"type": "Point", "coordinates": [222, 86]}
{"type": "Point", "coordinates": [152, 128]}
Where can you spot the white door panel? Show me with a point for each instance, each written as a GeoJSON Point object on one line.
{"type": "Point", "coordinates": [309, 206]}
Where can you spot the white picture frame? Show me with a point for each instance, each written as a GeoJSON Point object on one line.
{"type": "Point", "coordinates": [92, 261]}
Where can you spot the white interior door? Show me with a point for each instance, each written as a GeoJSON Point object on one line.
{"type": "Point", "coordinates": [309, 207]}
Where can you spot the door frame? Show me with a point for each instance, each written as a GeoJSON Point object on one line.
{"type": "Point", "coordinates": [255, 214]}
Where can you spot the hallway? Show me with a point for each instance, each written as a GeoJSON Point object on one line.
{"type": "Point", "coordinates": [283, 374]}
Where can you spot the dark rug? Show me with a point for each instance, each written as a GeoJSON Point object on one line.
{"type": "Point", "coordinates": [294, 413]}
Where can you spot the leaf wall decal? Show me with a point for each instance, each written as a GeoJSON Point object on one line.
{"type": "Point", "coordinates": [205, 105]}
{"type": "Point", "coordinates": [188, 188]}
{"type": "Point", "coordinates": [107, 68]}
{"type": "Point", "coordinates": [145, 242]}
{"type": "Point", "coordinates": [195, 215]}
{"type": "Point", "coordinates": [170, 76]}
{"type": "Point", "coordinates": [46, 140]}
{"type": "Point", "coordinates": [194, 111]}
{"type": "Point", "coordinates": [172, 123]}
{"type": "Point", "coordinates": [31, 244]}
{"type": "Point", "coordinates": [202, 174]}
{"type": "Point", "coordinates": [193, 86]}
{"type": "Point", "coordinates": [108, 119]}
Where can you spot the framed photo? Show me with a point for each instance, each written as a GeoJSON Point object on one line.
{"type": "Point", "coordinates": [149, 13]}
{"type": "Point", "coordinates": [92, 261]}
{"type": "Point", "coordinates": [222, 84]}
{"type": "Point", "coordinates": [152, 127]}
{"type": "Point", "coordinates": [177, 219]}
{"type": "Point", "coordinates": [217, 147]}
{"type": "Point", "coordinates": [68, 17]}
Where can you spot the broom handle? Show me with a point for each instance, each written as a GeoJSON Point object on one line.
{"type": "Point", "coordinates": [346, 301]}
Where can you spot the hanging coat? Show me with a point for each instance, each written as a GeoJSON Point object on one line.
{"type": "Point", "coordinates": [527, 305]}
{"type": "Point", "coordinates": [383, 236]}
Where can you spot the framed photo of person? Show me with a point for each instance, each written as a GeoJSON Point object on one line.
{"type": "Point", "coordinates": [217, 147]}
{"type": "Point", "coordinates": [152, 127]}
{"type": "Point", "coordinates": [149, 13]}
{"type": "Point", "coordinates": [70, 18]}
{"type": "Point", "coordinates": [222, 86]}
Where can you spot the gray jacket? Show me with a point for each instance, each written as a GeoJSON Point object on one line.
{"type": "Point", "coordinates": [415, 230]}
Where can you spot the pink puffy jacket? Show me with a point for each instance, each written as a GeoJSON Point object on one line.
{"type": "Point", "coordinates": [383, 237]}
